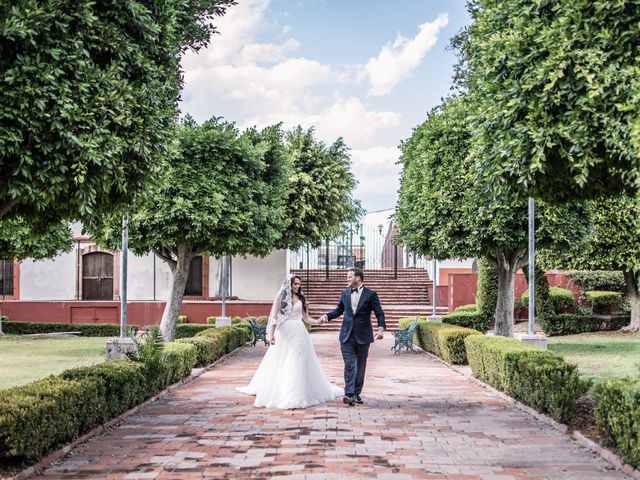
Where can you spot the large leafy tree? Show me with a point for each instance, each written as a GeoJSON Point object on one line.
{"type": "Point", "coordinates": [222, 193]}
{"type": "Point", "coordinates": [320, 187]}
{"type": "Point", "coordinates": [613, 243]}
{"type": "Point", "coordinates": [443, 211]}
{"type": "Point", "coordinates": [89, 95]}
{"type": "Point", "coordinates": [555, 83]}
{"type": "Point", "coordinates": [22, 238]}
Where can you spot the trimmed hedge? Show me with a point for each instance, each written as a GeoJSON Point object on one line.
{"type": "Point", "coordinates": [37, 417]}
{"type": "Point", "coordinates": [189, 329]}
{"type": "Point", "coordinates": [560, 299]}
{"type": "Point", "coordinates": [598, 280]}
{"type": "Point", "coordinates": [618, 416]}
{"type": "Point", "coordinates": [487, 293]}
{"type": "Point", "coordinates": [538, 378]}
{"type": "Point", "coordinates": [443, 340]}
{"type": "Point", "coordinates": [184, 330]}
{"type": "Point", "coordinates": [472, 307]}
{"type": "Point", "coordinates": [603, 298]}
{"type": "Point", "coordinates": [474, 320]}
{"type": "Point", "coordinates": [570, 323]}
{"type": "Point", "coordinates": [86, 330]}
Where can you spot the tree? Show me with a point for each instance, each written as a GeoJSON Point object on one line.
{"type": "Point", "coordinates": [22, 238]}
{"type": "Point", "coordinates": [89, 95]}
{"type": "Point", "coordinates": [222, 193]}
{"type": "Point", "coordinates": [555, 83]}
{"type": "Point", "coordinates": [444, 211]}
{"type": "Point", "coordinates": [320, 189]}
{"type": "Point", "coordinates": [612, 244]}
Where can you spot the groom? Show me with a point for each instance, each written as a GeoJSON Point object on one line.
{"type": "Point", "coordinates": [356, 302]}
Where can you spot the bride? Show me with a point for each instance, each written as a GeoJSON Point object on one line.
{"type": "Point", "coordinates": [290, 375]}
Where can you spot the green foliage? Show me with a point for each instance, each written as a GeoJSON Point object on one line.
{"type": "Point", "coordinates": [487, 292]}
{"type": "Point", "coordinates": [319, 191]}
{"type": "Point", "coordinates": [570, 323]}
{"type": "Point", "coordinates": [560, 299]}
{"type": "Point", "coordinates": [86, 330]}
{"type": "Point", "coordinates": [182, 320]}
{"type": "Point", "coordinates": [36, 417]}
{"type": "Point", "coordinates": [543, 304]}
{"type": "Point", "coordinates": [598, 280]}
{"type": "Point", "coordinates": [472, 307]}
{"type": "Point", "coordinates": [211, 320]}
{"type": "Point", "coordinates": [601, 298]}
{"type": "Point", "coordinates": [23, 237]}
{"type": "Point", "coordinates": [445, 341]}
{"type": "Point", "coordinates": [89, 94]}
{"type": "Point", "coordinates": [618, 416]}
{"type": "Point", "coordinates": [469, 320]}
{"type": "Point", "coordinates": [120, 384]}
{"type": "Point", "coordinates": [556, 90]}
{"type": "Point", "coordinates": [536, 377]}
{"type": "Point", "coordinates": [189, 330]}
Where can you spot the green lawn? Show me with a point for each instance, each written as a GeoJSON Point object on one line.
{"type": "Point", "coordinates": [601, 355]}
{"type": "Point", "coordinates": [23, 360]}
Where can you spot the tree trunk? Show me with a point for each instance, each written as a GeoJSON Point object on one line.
{"type": "Point", "coordinates": [507, 264]}
{"type": "Point", "coordinates": [632, 281]}
{"type": "Point", "coordinates": [180, 271]}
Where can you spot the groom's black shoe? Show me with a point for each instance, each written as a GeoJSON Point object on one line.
{"type": "Point", "coordinates": [357, 399]}
{"type": "Point", "coordinates": [349, 400]}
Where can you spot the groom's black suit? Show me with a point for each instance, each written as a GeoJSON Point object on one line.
{"type": "Point", "coordinates": [356, 335]}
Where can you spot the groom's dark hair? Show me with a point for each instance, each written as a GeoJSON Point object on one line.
{"type": "Point", "coordinates": [357, 272]}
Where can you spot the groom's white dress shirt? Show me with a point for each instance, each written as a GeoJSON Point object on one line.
{"type": "Point", "coordinates": [355, 298]}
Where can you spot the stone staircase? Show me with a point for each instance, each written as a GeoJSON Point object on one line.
{"type": "Point", "coordinates": [404, 296]}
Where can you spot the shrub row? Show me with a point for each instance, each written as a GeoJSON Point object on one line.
{"type": "Point", "coordinates": [472, 307]}
{"type": "Point", "coordinates": [598, 280]}
{"type": "Point", "coordinates": [445, 341]}
{"type": "Point", "coordinates": [570, 323]}
{"type": "Point", "coordinates": [618, 416]}
{"type": "Point", "coordinates": [212, 343]}
{"type": "Point", "coordinates": [560, 299]}
{"type": "Point", "coordinates": [37, 417]}
{"type": "Point", "coordinates": [538, 378]}
{"type": "Point", "coordinates": [603, 298]}
{"type": "Point", "coordinates": [90, 330]}
{"type": "Point", "coordinates": [469, 319]}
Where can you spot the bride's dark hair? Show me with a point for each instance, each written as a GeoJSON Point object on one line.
{"type": "Point", "coordinates": [300, 292]}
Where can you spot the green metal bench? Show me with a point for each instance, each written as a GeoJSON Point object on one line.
{"type": "Point", "coordinates": [259, 332]}
{"type": "Point", "coordinates": [404, 338]}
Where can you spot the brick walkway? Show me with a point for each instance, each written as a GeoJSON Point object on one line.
{"type": "Point", "coordinates": [420, 420]}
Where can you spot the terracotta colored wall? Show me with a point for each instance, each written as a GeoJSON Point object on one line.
{"type": "Point", "coordinates": [463, 286]}
{"type": "Point", "coordinates": [443, 294]}
{"type": "Point", "coordinates": [138, 313]}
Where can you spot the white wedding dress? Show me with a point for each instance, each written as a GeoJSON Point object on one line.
{"type": "Point", "coordinates": [290, 375]}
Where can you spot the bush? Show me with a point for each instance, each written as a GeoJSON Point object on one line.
{"type": "Point", "coordinates": [208, 349]}
{"type": "Point", "coordinates": [182, 320]}
{"type": "Point", "coordinates": [189, 330]}
{"type": "Point", "coordinates": [180, 358]}
{"type": "Point", "coordinates": [570, 323]}
{"type": "Point", "coordinates": [598, 280]}
{"type": "Point", "coordinates": [37, 417]}
{"type": "Point", "coordinates": [560, 299]}
{"type": "Point", "coordinates": [603, 298]}
{"type": "Point", "coordinates": [121, 385]}
{"type": "Point", "coordinates": [487, 294]}
{"type": "Point", "coordinates": [211, 320]}
{"type": "Point", "coordinates": [618, 416]}
{"type": "Point", "coordinates": [467, 308]}
{"type": "Point", "coordinates": [538, 378]}
{"type": "Point", "coordinates": [443, 340]}
{"type": "Point", "coordinates": [473, 320]}
{"type": "Point", "coordinates": [86, 330]}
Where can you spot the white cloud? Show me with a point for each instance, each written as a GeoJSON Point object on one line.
{"type": "Point", "coordinates": [378, 174]}
{"type": "Point", "coordinates": [397, 60]}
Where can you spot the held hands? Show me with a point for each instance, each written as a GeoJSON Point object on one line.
{"type": "Point", "coordinates": [380, 334]}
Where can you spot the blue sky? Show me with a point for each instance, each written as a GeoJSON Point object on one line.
{"type": "Point", "coordinates": [367, 71]}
